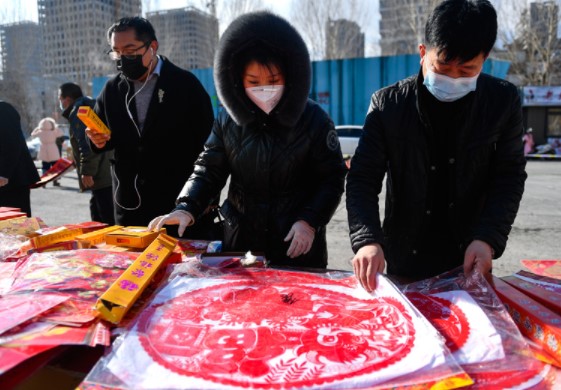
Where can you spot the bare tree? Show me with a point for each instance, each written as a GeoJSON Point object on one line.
{"type": "Point", "coordinates": [312, 18]}
{"type": "Point", "coordinates": [531, 44]}
{"type": "Point", "coordinates": [228, 10]}
{"type": "Point", "coordinates": [402, 25]}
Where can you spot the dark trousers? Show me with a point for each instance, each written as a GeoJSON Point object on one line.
{"type": "Point", "coordinates": [46, 165]}
{"type": "Point", "coordinates": [18, 196]}
{"type": "Point", "coordinates": [101, 206]}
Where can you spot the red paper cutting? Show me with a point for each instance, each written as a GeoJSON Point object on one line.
{"type": "Point", "coordinates": [445, 316]}
{"type": "Point", "coordinates": [270, 334]}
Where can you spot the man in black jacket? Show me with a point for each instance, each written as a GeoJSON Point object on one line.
{"type": "Point", "coordinates": [159, 116]}
{"type": "Point", "coordinates": [17, 171]}
{"type": "Point", "coordinates": [93, 168]}
{"type": "Point", "coordinates": [450, 141]}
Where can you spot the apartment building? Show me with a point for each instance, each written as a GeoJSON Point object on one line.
{"type": "Point", "coordinates": [187, 36]}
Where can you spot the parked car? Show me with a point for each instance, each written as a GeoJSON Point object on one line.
{"type": "Point", "coordinates": [33, 147]}
{"type": "Point", "coordinates": [348, 138]}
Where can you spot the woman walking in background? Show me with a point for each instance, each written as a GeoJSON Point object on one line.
{"type": "Point", "coordinates": [48, 132]}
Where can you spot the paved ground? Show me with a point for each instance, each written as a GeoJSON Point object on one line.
{"type": "Point", "coordinates": [536, 233]}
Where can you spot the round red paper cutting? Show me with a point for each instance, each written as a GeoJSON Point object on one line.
{"type": "Point", "coordinates": [246, 332]}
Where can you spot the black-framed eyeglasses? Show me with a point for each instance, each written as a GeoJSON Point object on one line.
{"type": "Point", "coordinates": [129, 54]}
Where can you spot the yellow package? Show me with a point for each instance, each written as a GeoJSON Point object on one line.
{"type": "Point", "coordinates": [124, 292]}
{"type": "Point", "coordinates": [96, 237]}
{"type": "Point", "coordinates": [57, 235]}
{"type": "Point", "coordinates": [132, 236]}
{"type": "Point", "coordinates": [90, 119]}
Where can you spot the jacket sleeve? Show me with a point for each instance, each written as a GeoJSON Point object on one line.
{"type": "Point", "coordinates": [364, 182]}
{"type": "Point", "coordinates": [507, 180]}
{"type": "Point", "coordinates": [328, 178]}
{"type": "Point", "coordinates": [209, 175]}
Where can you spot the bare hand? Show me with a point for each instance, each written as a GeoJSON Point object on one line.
{"type": "Point", "coordinates": [302, 236]}
{"type": "Point", "coordinates": [479, 257]}
{"type": "Point", "coordinates": [368, 261]}
{"type": "Point", "coordinates": [87, 181]}
{"type": "Point", "coordinates": [177, 217]}
{"type": "Point", "coordinates": [98, 139]}
{"type": "Point", "coordinates": [3, 181]}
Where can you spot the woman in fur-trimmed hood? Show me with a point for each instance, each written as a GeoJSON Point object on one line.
{"type": "Point", "coordinates": [280, 148]}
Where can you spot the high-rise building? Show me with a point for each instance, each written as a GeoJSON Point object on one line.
{"type": "Point", "coordinates": [187, 36]}
{"type": "Point", "coordinates": [344, 39]}
{"type": "Point", "coordinates": [402, 25]}
{"type": "Point", "coordinates": [74, 35]}
{"type": "Point", "coordinates": [22, 49]}
{"type": "Point", "coordinates": [544, 19]}
{"type": "Point", "coordinates": [20, 75]}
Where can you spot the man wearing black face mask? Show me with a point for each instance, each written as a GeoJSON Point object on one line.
{"type": "Point", "coordinates": [159, 116]}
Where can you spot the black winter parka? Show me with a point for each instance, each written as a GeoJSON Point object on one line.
{"type": "Point", "coordinates": [486, 181]}
{"type": "Point", "coordinates": [284, 167]}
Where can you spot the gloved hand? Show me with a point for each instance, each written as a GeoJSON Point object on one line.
{"type": "Point", "coordinates": [3, 181]}
{"type": "Point", "coordinates": [177, 217]}
{"type": "Point", "coordinates": [302, 236]}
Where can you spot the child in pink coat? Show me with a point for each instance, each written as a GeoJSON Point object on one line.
{"type": "Point", "coordinates": [48, 132]}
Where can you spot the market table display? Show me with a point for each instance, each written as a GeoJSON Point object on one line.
{"type": "Point", "coordinates": [204, 324]}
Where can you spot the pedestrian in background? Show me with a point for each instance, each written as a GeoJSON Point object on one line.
{"type": "Point", "coordinates": [159, 116]}
{"type": "Point", "coordinates": [280, 148]}
{"type": "Point", "coordinates": [17, 170]}
{"type": "Point", "coordinates": [93, 169]}
{"type": "Point", "coordinates": [48, 132]}
{"type": "Point", "coordinates": [450, 141]}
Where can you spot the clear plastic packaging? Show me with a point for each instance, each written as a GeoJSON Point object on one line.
{"type": "Point", "coordinates": [491, 350]}
{"type": "Point", "coordinates": [210, 328]}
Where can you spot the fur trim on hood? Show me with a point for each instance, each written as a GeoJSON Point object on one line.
{"type": "Point", "coordinates": [263, 29]}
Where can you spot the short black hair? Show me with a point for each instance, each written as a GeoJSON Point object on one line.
{"type": "Point", "coordinates": [462, 29]}
{"type": "Point", "coordinates": [71, 90]}
{"type": "Point", "coordinates": [143, 29]}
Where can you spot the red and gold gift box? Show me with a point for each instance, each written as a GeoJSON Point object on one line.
{"type": "Point", "coordinates": [119, 298]}
{"type": "Point", "coordinates": [547, 298]}
{"type": "Point", "coordinates": [534, 320]}
{"type": "Point", "coordinates": [132, 236]}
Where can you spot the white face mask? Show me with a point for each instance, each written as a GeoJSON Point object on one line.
{"type": "Point", "coordinates": [449, 89]}
{"type": "Point", "coordinates": [266, 97]}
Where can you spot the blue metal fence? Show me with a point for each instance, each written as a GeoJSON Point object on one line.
{"type": "Point", "coordinates": [343, 87]}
